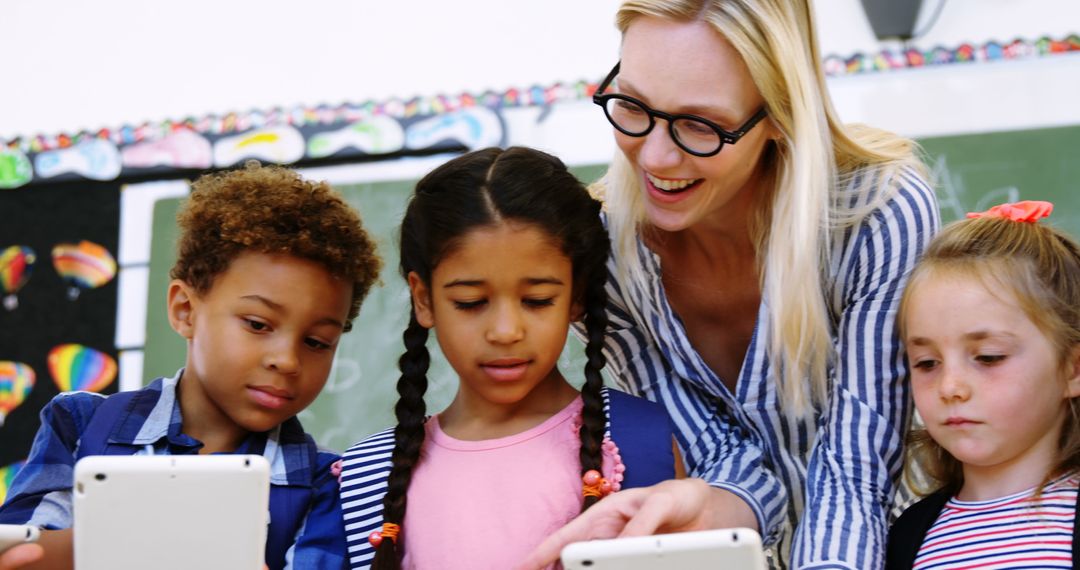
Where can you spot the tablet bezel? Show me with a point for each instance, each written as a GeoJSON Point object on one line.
{"type": "Point", "coordinates": [724, 548]}
{"type": "Point", "coordinates": [171, 511]}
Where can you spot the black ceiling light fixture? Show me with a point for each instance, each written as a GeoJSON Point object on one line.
{"type": "Point", "coordinates": [895, 19]}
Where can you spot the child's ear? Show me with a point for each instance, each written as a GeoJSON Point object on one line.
{"type": "Point", "coordinates": [421, 301]}
{"type": "Point", "coordinates": [181, 299]}
{"type": "Point", "coordinates": [1072, 382]}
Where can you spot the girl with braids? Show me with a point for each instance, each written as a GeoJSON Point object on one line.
{"type": "Point", "coordinates": [502, 250]}
{"type": "Point", "coordinates": [991, 319]}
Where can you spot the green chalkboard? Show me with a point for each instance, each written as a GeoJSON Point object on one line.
{"type": "Point", "coordinates": [360, 393]}
{"type": "Point", "coordinates": [974, 172]}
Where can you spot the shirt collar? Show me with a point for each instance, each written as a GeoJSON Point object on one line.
{"type": "Point", "coordinates": [154, 414]}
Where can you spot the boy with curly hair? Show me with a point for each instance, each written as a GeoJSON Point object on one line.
{"type": "Point", "coordinates": [271, 270]}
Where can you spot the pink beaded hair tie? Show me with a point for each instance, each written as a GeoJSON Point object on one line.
{"type": "Point", "coordinates": [1024, 211]}
{"type": "Point", "coordinates": [594, 485]}
{"type": "Point", "coordinates": [389, 530]}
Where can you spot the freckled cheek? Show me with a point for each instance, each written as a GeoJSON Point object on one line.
{"type": "Point", "coordinates": [923, 395]}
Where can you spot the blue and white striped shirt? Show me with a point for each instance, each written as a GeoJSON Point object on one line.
{"type": "Point", "coordinates": [821, 486]}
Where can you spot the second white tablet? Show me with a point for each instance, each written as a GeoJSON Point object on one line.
{"type": "Point", "coordinates": [734, 548]}
{"type": "Point", "coordinates": [206, 512]}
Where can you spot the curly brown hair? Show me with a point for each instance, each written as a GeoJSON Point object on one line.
{"type": "Point", "coordinates": [272, 209]}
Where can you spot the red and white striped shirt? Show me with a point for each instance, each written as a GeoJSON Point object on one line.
{"type": "Point", "coordinates": [1017, 531]}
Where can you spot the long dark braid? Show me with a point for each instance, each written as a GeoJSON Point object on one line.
{"type": "Point", "coordinates": [593, 419]}
{"type": "Point", "coordinates": [408, 436]}
{"type": "Point", "coordinates": [483, 189]}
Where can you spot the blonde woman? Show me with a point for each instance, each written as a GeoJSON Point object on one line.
{"type": "Point", "coordinates": [759, 251]}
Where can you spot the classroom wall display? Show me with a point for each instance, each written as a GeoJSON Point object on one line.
{"type": "Point", "coordinates": [58, 316]}
{"type": "Point", "coordinates": [87, 216]}
{"type": "Point", "coordinates": [912, 57]}
{"type": "Point", "coordinates": [384, 129]}
{"type": "Point", "coordinates": [971, 173]}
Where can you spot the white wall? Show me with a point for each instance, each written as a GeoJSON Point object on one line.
{"type": "Point", "coordinates": [92, 64]}
{"type": "Point", "coordinates": [72, 65]}
{"type": "Point", "coordinates": [844, 30]}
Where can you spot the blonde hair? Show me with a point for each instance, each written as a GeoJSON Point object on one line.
{"type": "Point", "coordinates": [1039, 266]}
{"type": "Point", "coordinates": [820, 169]}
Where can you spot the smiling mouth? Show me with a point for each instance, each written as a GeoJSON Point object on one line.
{"type": "Point", "coordinates": [672, 186]}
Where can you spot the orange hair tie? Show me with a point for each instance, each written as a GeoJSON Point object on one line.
{"type": "Point", "coordinates": [1024, 211]}
{"type": "Point", "coordinates": [593, 485]}
{"type": "Point", "coordinates": [389, 530]}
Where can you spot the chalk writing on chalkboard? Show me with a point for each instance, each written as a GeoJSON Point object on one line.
{"type": "Point", "coordinates": [952, 192]}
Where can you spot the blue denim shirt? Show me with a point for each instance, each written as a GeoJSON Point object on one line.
{"type": "Point", "coordinates": [41, 492]}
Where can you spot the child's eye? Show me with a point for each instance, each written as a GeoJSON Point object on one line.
{"type": "Point", "coordinates": [924, 365]}
{"type": "Point", "coordinates": [469, 305]}
{"type": "Point", "coordinates": [316, 344]}
{"type": "Point", "coordinates": [535, 303]}
{"type": "Point", "coordinates": [257, 326]}
{"type": "Point", "coordinates": [989, 358]}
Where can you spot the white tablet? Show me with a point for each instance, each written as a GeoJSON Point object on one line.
{"type": "Point", "coordinates": [206, 512]}
{"type": "Point", "coordinates": [14, 534]}
{"type": "Point", "coordinates": [734, 548]}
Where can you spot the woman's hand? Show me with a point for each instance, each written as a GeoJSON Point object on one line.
{"type": "Point", "coordinates": [20, 555]}
{"type": "Point", "coordinates": [671, 506]}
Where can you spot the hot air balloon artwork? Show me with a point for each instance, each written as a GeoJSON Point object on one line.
{"type": "Point", "coordinates": [85, 265]}
{"type": "Point", "coordinates": [78, 367]}
{"type": "Point", "coordinates": [16, 382]}
{"type": "Point", "coordinates": [16, 265]}
{"type": "Point", "coordinates": [7, 474]}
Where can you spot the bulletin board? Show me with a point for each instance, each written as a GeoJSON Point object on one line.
{"type": "Point", "coordinates": [57, 303]}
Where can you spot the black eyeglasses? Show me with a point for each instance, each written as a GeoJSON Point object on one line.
{"type": "Point", "coordinates": [696, 135]}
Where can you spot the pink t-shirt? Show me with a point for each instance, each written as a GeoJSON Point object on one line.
{"type": "Point", "coordinates": [486, 504]}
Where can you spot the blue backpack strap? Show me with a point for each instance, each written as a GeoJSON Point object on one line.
{"type": "Point", "coordinates": [95, 438]}
{"type": "Point", "coordinates": [644, 434]}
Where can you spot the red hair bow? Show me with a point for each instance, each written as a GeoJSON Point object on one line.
{"type": "Point", "coordinates": [1023, 211]}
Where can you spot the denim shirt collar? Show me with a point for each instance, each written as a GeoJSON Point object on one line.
{"type": "Point", "coordinates": [154, 415]}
